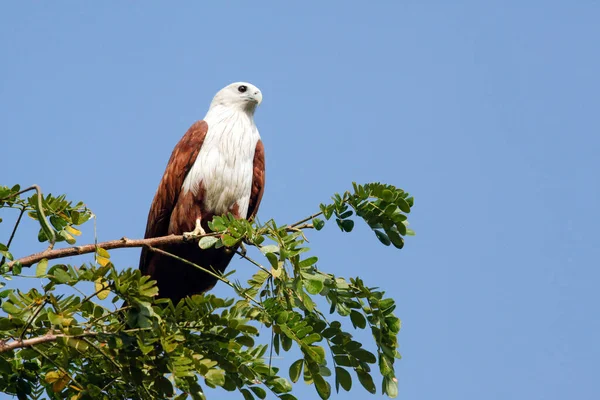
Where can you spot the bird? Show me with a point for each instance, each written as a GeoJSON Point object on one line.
{"type": "Point", "coordinates": [216, 168]}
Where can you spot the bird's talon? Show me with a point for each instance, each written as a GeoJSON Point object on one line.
{"type": "Point", "coordinates": [198, 231]}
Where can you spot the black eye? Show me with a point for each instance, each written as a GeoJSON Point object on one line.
{"type": "Point", "coordinates": [242, 88]}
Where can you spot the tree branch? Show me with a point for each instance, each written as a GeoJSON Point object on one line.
{"type": "Point", "coordinates": [48, 337]}
{"type": "Point", "coordinates": [51, 254]}
{"type": "Point", "coordinates": [111, 244]}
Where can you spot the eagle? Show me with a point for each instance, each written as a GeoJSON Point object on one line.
{"type": "Point", "coordinates": [218, 167]}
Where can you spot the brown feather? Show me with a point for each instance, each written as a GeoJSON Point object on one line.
{"type": "Point", "coordinates": [258, 180]}
{"type": "Point", "coordinates": [175, 213]}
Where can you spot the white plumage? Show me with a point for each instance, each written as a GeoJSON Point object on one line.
{"type": "Point", "coordinates": [224, 166]}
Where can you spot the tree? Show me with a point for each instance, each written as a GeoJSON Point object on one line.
{"type": "Point", "coordinates": [79, 345]}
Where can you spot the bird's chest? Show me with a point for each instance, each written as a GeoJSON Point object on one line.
{"type": "Point", "coordinates": [222, 173]}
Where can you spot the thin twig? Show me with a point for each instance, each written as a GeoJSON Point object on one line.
{"type": "Point", "coordinates": [113, 380]}
{"type": "Point", "coordinates": [30, 320]}
{"type": "Point", "coordinates": [99, 350]}
{"type": "Point", "coordinates": [118, 310]}
{"type": "Point", "coordinates": [12, 235]}
{"type": "Point", "coordinates": [64, 371]}
{"type": "Point", "coordinates": [32, 187]}
{"type": "Point", "coordinates": [253, 262]}
{"type": "Point", "coordinates": [91, 296]}
{"type": "Point", "coordinates": [305, 220]}
{"type": "Point", "coordinates": [299, 230]}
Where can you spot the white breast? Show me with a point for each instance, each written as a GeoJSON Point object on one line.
{"type": "Point", "coordinates": [224, 165]}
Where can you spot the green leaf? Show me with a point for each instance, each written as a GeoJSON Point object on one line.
{"type": "Point", "coordinates": [17, 268]}
{"type": "Point", "coordinates": [343, 379]}
{"type": "Point", "coordinates": [390, 210]}
{"type": "Point", "coordinates": [403, 205]}
{"type": "Point", "coordinates": [61, 275]}
{"type": "Point", "coordinates": [282, 385]}
{"type": "Point", "coordinates": [346, 214]}
{"type": "Point", "coordinates": [393, 324]}
{"type": "Point", "coordinates": [164, 385]}
{"type": "Point", "coordinates": [282, 317]}
{"type": "Point", "coordinates": [395, 238]}
{"type": "Point", "coordinates": [308, 262]}
{"type": "Point", "coordinates": [207, 242]}
{"type": "Point", "coordinates": [229, 241]}
{"type": "Point", "coordinates": [216, 377]}
{"type": "Point", "coordinates": [102, 252]}
{"type": "Point", "coordinates": [329, 332]}
{"type": "Point", "coordinates": [317, 354]}
{"type": "Point", "coordinates": [271, 248]}
{"type": "Point", "coordinates": [247, 394]}
{"type": "Point", "coordinates": [312, 338]}
{"type": "Point", "coordinates": [55, 319]}
{"type": "Point", "coordinates": [258, 391]}
{"type": "Point", "coordinates": [318, 223]}
{"type": "Point", "coordinates": [68, 238]}
{"type": "Point", "coordinates": [344, 360]}
{"type": "Point", "coordinates": [287, 396]}
{"type": "Point", "coordinates": [387, 195]}
{"type": "Point", "coordinates": [10, 308]}
{"type": "Point", "coordinates": [5, 366]}
{"type": "Point", "coordinates": [40, 270]}
{"type": "Point", "coordinates": [6, 324]}
{"type": "Point", "coordinates": [346, 225]}
{"type": "Point", "coordinates": [77, 344]}
{"type": "Point", "coordinates": [273, 260]}
{"type": "Point", "coordinates": [401, 227]}
{"type": "Point", "coordinates": [296, 370]}
{"type": "Point", "coordinates": [366, 380]}
{"type": "Point", "coordinates": [327, 210]}
{"type": "Point", "coordinates": [383, 238]}
{"type": "Point", "coordinates": [313, 286]}
{"type": "Point", "coordinates": [286, 343]}
{"type": "Point", "coordinates": [100, 284]}
{"type": "Point", "coordinates": [386, 366]}
{"type": "Point", "coordinates": [322, 386]}
{"type": "Point", "coordinates": [358, 320]}
{"type": "Point", "coordinates": [386, 303]}
{"type": "Point", "coordinates": [390, 386]}
{"type": "Point", "coordinates": [364, 355]}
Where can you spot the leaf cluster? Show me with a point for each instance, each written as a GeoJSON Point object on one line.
{"type": "Point", "coordinates": [70, 341]}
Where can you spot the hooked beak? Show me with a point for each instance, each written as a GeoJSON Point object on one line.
{"type": "Point", "coordinates": [257, 97]}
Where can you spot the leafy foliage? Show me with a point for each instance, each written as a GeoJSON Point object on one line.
{"type": "Point", "coordinates": [90, 347]}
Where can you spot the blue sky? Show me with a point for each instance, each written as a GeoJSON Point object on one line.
{"type": "Point", "coordinates": [487, 112]}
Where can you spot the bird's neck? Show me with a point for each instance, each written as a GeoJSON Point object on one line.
{"type": "Point", "coordinates": [221, 112]}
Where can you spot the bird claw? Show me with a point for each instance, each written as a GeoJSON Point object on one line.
{"type": "Point", "coordinates": [198, 231]}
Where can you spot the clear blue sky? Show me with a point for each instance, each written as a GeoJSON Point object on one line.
{"type": "Point", "coordinates": [488, 112]}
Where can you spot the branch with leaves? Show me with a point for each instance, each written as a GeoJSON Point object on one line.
{"type": "Point", "coordinates": [80, 347]}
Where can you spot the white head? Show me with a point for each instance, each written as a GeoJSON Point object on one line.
{"type": "Point", "coordinates": [242, 95]}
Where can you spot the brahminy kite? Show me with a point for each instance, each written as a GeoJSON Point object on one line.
{"type": "Point", "coordinates": [218, 167]}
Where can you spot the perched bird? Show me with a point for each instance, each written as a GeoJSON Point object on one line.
{"type": "Point", "coordinates": [218, 167]}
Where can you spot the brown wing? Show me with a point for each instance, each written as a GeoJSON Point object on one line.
{"type": "Point", "coordinates": [258, 180]}
{"type": "Point", "coordinates": [168, 191]}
